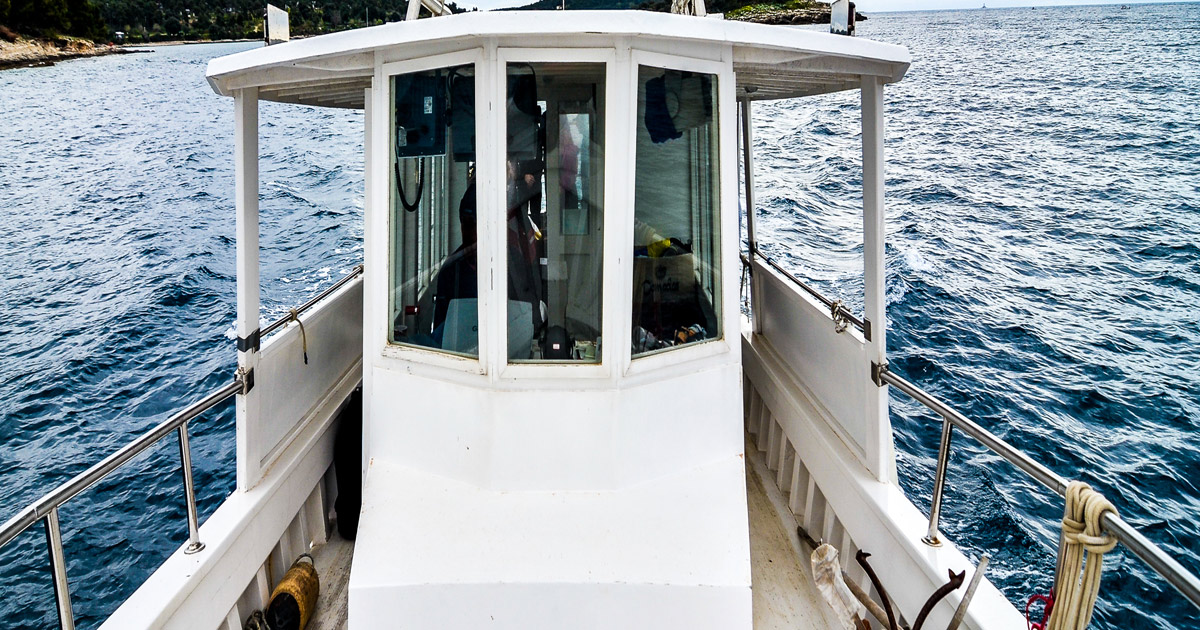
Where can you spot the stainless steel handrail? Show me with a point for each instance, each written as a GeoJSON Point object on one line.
{"type": "Point", "coordinates": [282, 321]}
{"type": "Point", "coordinates": [863, 325]}
{"type": "Point", "coordinates": [86, 479]}
{"type": "Point", "coordinates": [46, 508]}
{"type": "Point", "coordinates": [1162, 563]}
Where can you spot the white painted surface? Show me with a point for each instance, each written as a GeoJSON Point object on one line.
{"type": "Point", "coordinates": [277, 25]}
{"type": "Point", "coordinates": [785, 597]}
{"type": "Point", "coordinates": [245, 116]}
{"type": "Point", "coordinates": [848, 506]}
{"type": "Point", "coordinates": [581, 436]}
{"type": "Point", "coordinates": [878, 440]}
{"type": "Point", "coordinates": [437, 553]}
{"type": "Point", "coordinates": [290, 389]}
{"type": "Point", "coordinates": [545, 426]}
{"type": "Point", "coordinates": [503, 487]}
{"type": "Point", "coordinates": [198, 591]}
{"type": "Point", "coordinates": [331, 70]}
{"type": "Point", "coordinates": [612, 24]}
{"type": "Point", "coordinates": [834, 367]}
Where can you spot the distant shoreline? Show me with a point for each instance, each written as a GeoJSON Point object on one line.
{"type": "Point", "coordinates": [38, 53]}
{"type": "Point", "coordinates": [181, 42]}
{"type": "Point", "coordinates": [35, 53]}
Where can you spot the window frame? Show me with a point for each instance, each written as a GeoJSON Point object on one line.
{"type": "Point", "coordinates": [726, 208]}
{"type": "Point", "coordinates": [411, 353]}
{"type": "Point", "coordinates": [621, 62]}
{"type": "Point", "coordinates": [615, 91]}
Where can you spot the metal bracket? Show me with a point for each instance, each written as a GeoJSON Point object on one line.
{"type": "Point", "coordinates": [877, 370]}
{"type": "Point", "coordinates": [246, 377]}
{"type": "Point", "coordinates": [866, 328]}
{"type": "Point", "coordinates": [251, 342]}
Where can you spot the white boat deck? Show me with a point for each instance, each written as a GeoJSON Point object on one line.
{"type": "Point", "coordinates": [332, 561]}
{"type": "Point", "coordinates": [784, 594]}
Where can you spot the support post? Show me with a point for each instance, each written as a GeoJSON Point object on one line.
{"type": "Point", "coordinates": [246, 166]}
{"type": "Point", "coordinates": [372, 339]}
{"type": "Point", "coordinates": [880, 458]}
{"type": "Point", "coordinates": [751, 240]}
{"type": "Point", "coordinates": [939, 485]}
{"type": "Point", "coordinates": [189, 493]}
{"type": "Point", "coordinates": [58, 571]}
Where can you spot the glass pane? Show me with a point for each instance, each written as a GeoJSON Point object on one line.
{"type": "Point", "coordinates": [434, 271]}
{"type": "Point", "coordinates": [676, 244]}
{"type": "Point", "coordinates": [554, 225]}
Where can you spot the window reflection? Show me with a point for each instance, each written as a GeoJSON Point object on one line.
{"type": "Point", "coordinates": [555, 172]}
{"type": "Point", "coordinates": [434, 270]}
{"type": "Point", "coordinates": [676, 282]}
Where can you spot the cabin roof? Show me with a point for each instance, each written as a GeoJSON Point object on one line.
{"type": "Point", "coordinates": [771, 62]}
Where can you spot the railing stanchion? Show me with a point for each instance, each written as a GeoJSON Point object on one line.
{"type": "Point", "coordinates": [939, 485]}
{"type": "Point", "coordinates": [189, 490]}
{"type": "Point", "coordinates": [58, 571]}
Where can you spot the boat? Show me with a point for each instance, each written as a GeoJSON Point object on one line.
{"type": "Point", "coordinates": [538, 403]}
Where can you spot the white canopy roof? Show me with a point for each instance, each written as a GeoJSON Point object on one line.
{"type": "Point", "coordinates": [771, 62]}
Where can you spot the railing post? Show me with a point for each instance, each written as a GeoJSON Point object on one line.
{"type": "Point", "coordinates": [751, 239]}
{"type": "Point", "coordinates": [189, 491]}
{"type": "Point", "coordinates": [878, 440]}
{"type": "Point", "coordinates": [58, 571]}
{"type": "Point", "coordinates": [248, 308]}
{"type": "Point", "coordinates": [939, 484]}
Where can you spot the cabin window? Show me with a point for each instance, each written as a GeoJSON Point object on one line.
{"type": "Point", "coordinates": [434, 266]}
{"type": "Point", "coordinates": [676, 244]}
{"type": "Point", "coordinates": [555, 209]}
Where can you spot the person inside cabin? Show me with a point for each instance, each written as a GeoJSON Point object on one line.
{"type": "Point", "coordinates": [459, 274]}
{"type": "Point", "coordinates": [458, 277]}
{"type": "Point", "coordinates": [524, 268]}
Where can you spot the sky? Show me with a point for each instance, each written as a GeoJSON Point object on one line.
{"type": "Point", "coordinates": [867, 6]}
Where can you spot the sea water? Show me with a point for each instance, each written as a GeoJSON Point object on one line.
{"type": "Point", "coordinates": [1043, 276]}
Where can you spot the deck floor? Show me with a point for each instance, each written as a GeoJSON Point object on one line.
{"type": "Point", "coordinates": [783, 592]}
{"type": "Point", "coordinates": [332, 561]}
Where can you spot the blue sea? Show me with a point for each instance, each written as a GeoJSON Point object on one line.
{"type": "Point", "coordinates": [1043, 276]}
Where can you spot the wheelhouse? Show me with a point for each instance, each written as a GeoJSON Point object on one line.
{"type": "Point", "coordinates": [551, 345]}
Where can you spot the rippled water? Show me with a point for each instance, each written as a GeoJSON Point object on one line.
{"type": "Point", "coordinates": [116, 181]}
{"type": "Point", "coordinates": [1043, 276]}
{"type": "Point", "coordinates": [1043, 268]}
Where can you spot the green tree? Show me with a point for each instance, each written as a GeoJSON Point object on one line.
{"type": "Point", "coordinates": [40, 17]}
{"type": "Point", "coordinates": [85, 20]}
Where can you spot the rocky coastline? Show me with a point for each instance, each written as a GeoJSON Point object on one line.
{"type": "Point", "coordinates": [24, 52]}
{"type": "Point", "coordinates": [774, 14]}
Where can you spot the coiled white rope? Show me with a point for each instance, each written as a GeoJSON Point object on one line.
{"type": "Point", "coordinates": [1076, 585]}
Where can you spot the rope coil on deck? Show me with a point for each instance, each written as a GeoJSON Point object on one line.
{"type": "Point", "coordinates": [1076, 585]}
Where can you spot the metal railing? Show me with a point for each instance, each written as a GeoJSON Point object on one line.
{"type": "Point", "coordinates": [1174, 573]}
{"type": "Point", "coordinates": [836, 308]}
{"type": "Point", "coordinates": [283, 321]}
{"type": "Point", "coordinates": [46, 508]}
